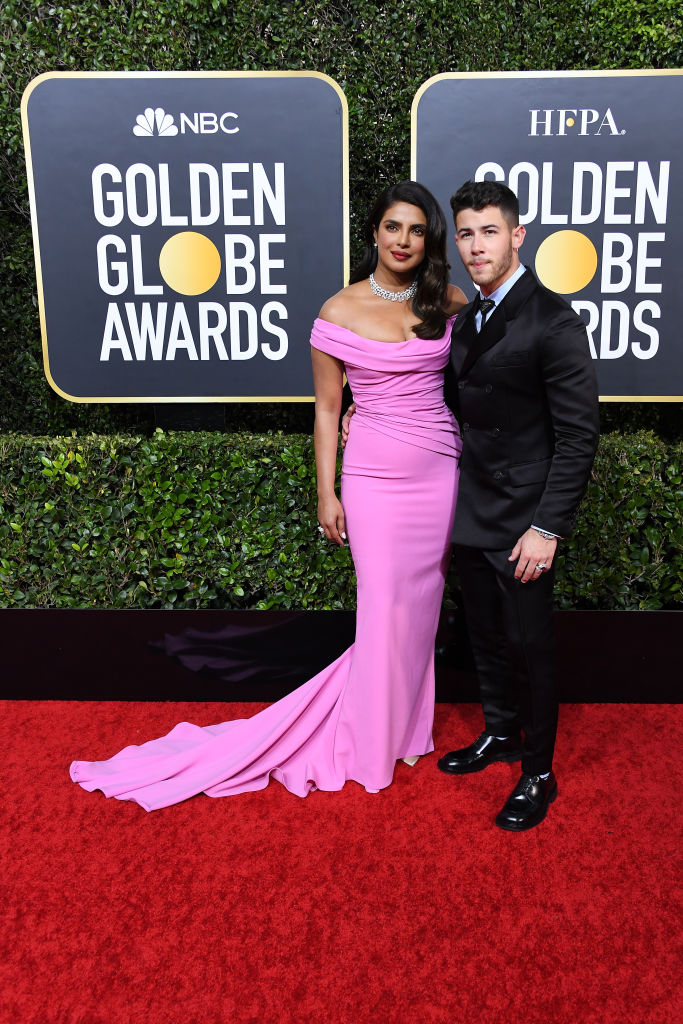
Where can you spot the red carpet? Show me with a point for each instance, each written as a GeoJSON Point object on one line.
{"type": "Point", "coordinates": [401, 908]}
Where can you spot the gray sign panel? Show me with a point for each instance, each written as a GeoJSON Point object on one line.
{"type": "Point", "coordinates": [187, 229]}
{"type": "Point", "coordinates": [596, 159]}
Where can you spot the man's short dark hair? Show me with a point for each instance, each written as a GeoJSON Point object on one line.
{"type": "Point", "coordinates": [475, 195]}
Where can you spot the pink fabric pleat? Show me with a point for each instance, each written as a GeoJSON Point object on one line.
{"type": "Point", "coordinates": [375, 703]}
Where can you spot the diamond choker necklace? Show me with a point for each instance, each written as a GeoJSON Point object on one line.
{"type": "Point", "coordinates": [383, 293]}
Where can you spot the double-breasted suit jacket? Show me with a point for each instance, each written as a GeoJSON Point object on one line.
{"type": "Point", "coordinates": [525, 393]}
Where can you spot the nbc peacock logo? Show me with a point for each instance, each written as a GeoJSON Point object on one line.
{"type": "Point", "coordinates": [154, 122]}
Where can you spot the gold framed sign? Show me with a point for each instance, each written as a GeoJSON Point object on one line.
{"type": "Point", "coordinates": [595, 158]}
{"type": "Point", "coordinates": [187, 228]}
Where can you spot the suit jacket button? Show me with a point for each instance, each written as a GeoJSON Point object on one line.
{"type": "Point", "coordinates": [465, 426]}
{"type": "Point", "coordinates": [461, 384]}
{"type": "Point", "coordinates": [488, 389]}
{"type": "Point", "coordinates": [498, 475]}
{"type": "Point", "coordinates": [495, 432]}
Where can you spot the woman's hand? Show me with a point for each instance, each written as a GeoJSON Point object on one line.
{"type": "Point", "coordinates": [331, 518]}
{"type": "Point", "coordinates": [346, 422]}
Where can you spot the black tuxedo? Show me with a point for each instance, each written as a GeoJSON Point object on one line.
{"type": "Point", "coordinates": [525, 393]}
{"type": "Point", "coordinates": [526, 398]}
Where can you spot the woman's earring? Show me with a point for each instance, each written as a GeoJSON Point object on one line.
{"type": "Point", "coordinates": [375, 244]}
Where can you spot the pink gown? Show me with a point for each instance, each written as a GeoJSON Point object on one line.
{"type": "Point", "coordinates": [375, 703]}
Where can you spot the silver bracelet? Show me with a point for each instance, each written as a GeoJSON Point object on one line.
{"type": "Point", "coordinates": [545, 534]}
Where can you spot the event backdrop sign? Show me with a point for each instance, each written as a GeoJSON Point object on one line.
{"type": "Point", "coordinates": [596, 160]}
{"type": "Point", "coordinates": [187, 229]}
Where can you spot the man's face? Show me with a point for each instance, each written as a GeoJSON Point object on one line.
{"type": "Point", "coordinates": [488, 246]}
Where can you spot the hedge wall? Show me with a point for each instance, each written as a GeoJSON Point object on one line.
{"type": "Point", "coordinates": [379, 52]}
{"type": "Point", "coordinates": [178, 520]}
{"type": "Point", "coordinates": [144, 519]}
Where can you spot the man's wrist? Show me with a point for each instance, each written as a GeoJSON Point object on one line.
{"type": "Point", "coordinates": [546, 534]}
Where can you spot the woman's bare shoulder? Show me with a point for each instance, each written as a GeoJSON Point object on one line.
{"type": "Point", "coordinates": [455, 299]}
{"type": "Point", "coordinates": [339, 307]}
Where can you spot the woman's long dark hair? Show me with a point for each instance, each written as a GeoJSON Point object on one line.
{"type": "Point", "coordinates": [432, 274]}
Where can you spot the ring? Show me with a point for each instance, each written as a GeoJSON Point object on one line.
{"type": "Point", "coordinates": [541, 567]}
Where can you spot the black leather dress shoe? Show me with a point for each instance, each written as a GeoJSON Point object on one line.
{"type": "Point", "coordinates": [483, 752]}
{"type": "Point", "coordinates": [528, 803]}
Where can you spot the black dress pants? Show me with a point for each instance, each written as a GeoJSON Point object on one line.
{"type": "Point", "coordinates": [510, 625]}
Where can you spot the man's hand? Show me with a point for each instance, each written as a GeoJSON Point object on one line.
{"type": "Point", "coordinates": [530, 551]}
{"type": "Point", "coordinates": [345, 423]}
{"type": "Point", "coordinates": [331, 519]}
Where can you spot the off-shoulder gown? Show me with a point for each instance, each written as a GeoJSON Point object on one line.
{"type": "Point", "coordinates": [375, 703]}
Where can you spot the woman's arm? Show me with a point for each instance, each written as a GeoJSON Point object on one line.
{"type": "Point", "coordinates": [328, 377]}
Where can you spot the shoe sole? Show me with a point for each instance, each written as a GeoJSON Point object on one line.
{"type": "Point", "coordinates": [471, 769]}
{"type": "Point", "coordinates": [533, 824]}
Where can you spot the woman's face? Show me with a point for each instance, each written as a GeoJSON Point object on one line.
{"type": "Point", "coordinates": [400, 237]}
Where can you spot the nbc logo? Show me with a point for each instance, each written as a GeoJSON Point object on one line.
{"type": "Point", "coordinates": [154, 122]}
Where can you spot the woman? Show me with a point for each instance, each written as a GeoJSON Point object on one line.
{"type": "Point", "coordinates": [389, 330]}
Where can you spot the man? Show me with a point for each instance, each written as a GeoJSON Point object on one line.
{"type": "Point", "coordinates": [524, 391]}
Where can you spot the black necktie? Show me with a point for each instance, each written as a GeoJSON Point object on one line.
{"type": "Point", "coordinates": [483, 306]}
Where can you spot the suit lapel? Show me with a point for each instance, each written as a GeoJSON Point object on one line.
{"type": "Point", "coordinates": [490, 335]}
{"type": "Point", "coordinates": [494, 328]}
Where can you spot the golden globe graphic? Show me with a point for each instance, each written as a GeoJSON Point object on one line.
{"type": "Point", "coordinates": [596, 166]}
{"type": "Point", "coordinates": [190, 263]}
{"type": "Point", "coordinates": [566, 261]}
{"type": "Point", "coordinates": [185, 243]}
